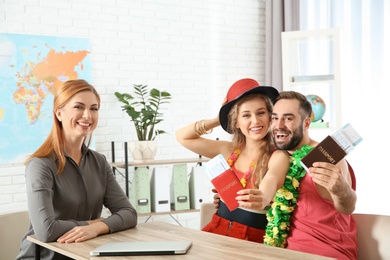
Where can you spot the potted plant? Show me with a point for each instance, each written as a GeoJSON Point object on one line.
{"type": "Point", "coordinates": [143, 107]}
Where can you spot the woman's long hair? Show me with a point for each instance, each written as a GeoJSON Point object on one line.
{"type": "Point", "coordinates": [239, 139]}
{"type": "Point", "coordinates": [54, 144]}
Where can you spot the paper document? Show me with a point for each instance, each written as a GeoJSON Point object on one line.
{"type": "Point", "coordinates": [347, 138]}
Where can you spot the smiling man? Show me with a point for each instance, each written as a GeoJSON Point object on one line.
{"type": "Point", "coordinates": [321, 222]}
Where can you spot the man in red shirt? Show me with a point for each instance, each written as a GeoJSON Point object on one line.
{"type": "Point", "coordinates": [322, 221]}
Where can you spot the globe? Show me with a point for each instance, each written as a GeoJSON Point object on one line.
{"type": "Point", "coordinates": [318, 107]}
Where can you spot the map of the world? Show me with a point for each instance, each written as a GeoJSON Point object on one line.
{"type": "Point", "coordinates": [31, 67]}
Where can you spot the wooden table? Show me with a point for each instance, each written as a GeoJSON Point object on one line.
{"type": "Point", "coordinates": [205, 245]}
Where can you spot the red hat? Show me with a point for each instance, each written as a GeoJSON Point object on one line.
{"type": "Point", "coordinates": [239, 89]}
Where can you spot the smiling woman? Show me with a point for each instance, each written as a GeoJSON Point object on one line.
{"type": "Point", "coordinates": [78, 119]}
{"type": "Point", "coordinates": [246, 114]}
{"type": "Point", "coordinates": [67, 183]}
{"type": "Point", "coordinates": [68, 99]}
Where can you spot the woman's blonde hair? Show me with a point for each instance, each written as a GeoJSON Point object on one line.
{"type": "Point", "coordinates": [54, 143]}
{"type": "Point", "coordinates": [239, 139]}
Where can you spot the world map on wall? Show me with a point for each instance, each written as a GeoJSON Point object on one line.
{"type": "Point", "coordinates": [31, 68]}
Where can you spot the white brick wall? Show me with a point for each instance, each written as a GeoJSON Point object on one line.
{"type": "Point", "coordinates": [194, 49]}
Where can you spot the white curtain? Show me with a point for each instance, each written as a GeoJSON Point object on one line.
{"type": "Point", "coordinates": [365, 58]}
{"type": "Point", "coordinates": [365, 31]}
{"type": "Point", "coordinates": [281, 15]}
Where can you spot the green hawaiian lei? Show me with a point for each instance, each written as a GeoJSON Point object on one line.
{"type": "Point", "coordinates": [284, 203]}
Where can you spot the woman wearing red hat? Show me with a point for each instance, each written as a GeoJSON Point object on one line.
{"type": "Point", "coordinates": [246, 114]}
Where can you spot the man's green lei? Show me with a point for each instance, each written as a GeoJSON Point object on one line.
{"type": "Point", "coordinates": [285, 200]}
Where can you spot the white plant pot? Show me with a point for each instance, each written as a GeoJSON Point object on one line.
{"type": "Point", "coordinates": [143, 150]}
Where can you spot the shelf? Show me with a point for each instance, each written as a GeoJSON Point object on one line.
{"type": "Point", "coordinates": [170, 213]}
{"type": "Point", "coordinates": [127, 164]}
{"type": "Point", "coordinates": [312, 78]}
{"type": "Point", "coordinates": [311, 66]}
{"type": "Point", "coordinates": [167, 212]}
{"type": "Point", "coordinates": [159, 162]}
{"type": "Point", "coordinates": [317, 125]}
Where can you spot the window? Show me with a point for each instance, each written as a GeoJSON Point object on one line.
{"type": "Point", "coordinates": [363, 25]}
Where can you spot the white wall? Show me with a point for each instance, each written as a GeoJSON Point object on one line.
{"type": "Point", "coordinates": [195, 49]}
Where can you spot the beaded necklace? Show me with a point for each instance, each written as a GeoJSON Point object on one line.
{"type": "Point", "coordinates": [246, 177]}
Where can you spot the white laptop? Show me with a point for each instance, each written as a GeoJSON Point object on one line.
{"type": "Point", "coordinates": [142, 248]}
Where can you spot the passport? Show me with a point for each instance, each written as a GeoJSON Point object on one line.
{"type": "Point", "coordinates": [326, 151]}
{"type": "Point", "coordinates": [333, 148]}
{"type": "Point", "coordinates": [224, 180]}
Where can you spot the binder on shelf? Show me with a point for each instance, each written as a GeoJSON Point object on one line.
{"type": "Point", "coordinates": [140, 190]}
{"type": "Point", "coordinates": [179, 188]}
{"type": "Point", "coordinates": [200, 188]}
{"type": "Point", "coordinates": [159, 189]}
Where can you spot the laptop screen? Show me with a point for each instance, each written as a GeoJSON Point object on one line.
{"type": "Point", "coordinates": [142, 248]}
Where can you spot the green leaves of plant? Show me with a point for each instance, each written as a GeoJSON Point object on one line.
{"type": "Point", "coordinates": [144, 110]}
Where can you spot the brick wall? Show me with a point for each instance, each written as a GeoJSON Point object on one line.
{"type": "Point", "coordinates": [194, 49]}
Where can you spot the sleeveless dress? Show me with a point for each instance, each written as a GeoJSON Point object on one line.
{"type": "Point", "coordinates": [240, 223]}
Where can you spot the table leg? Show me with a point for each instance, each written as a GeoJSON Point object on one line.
{"type": "Point", "coordinates": [37, 252]}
